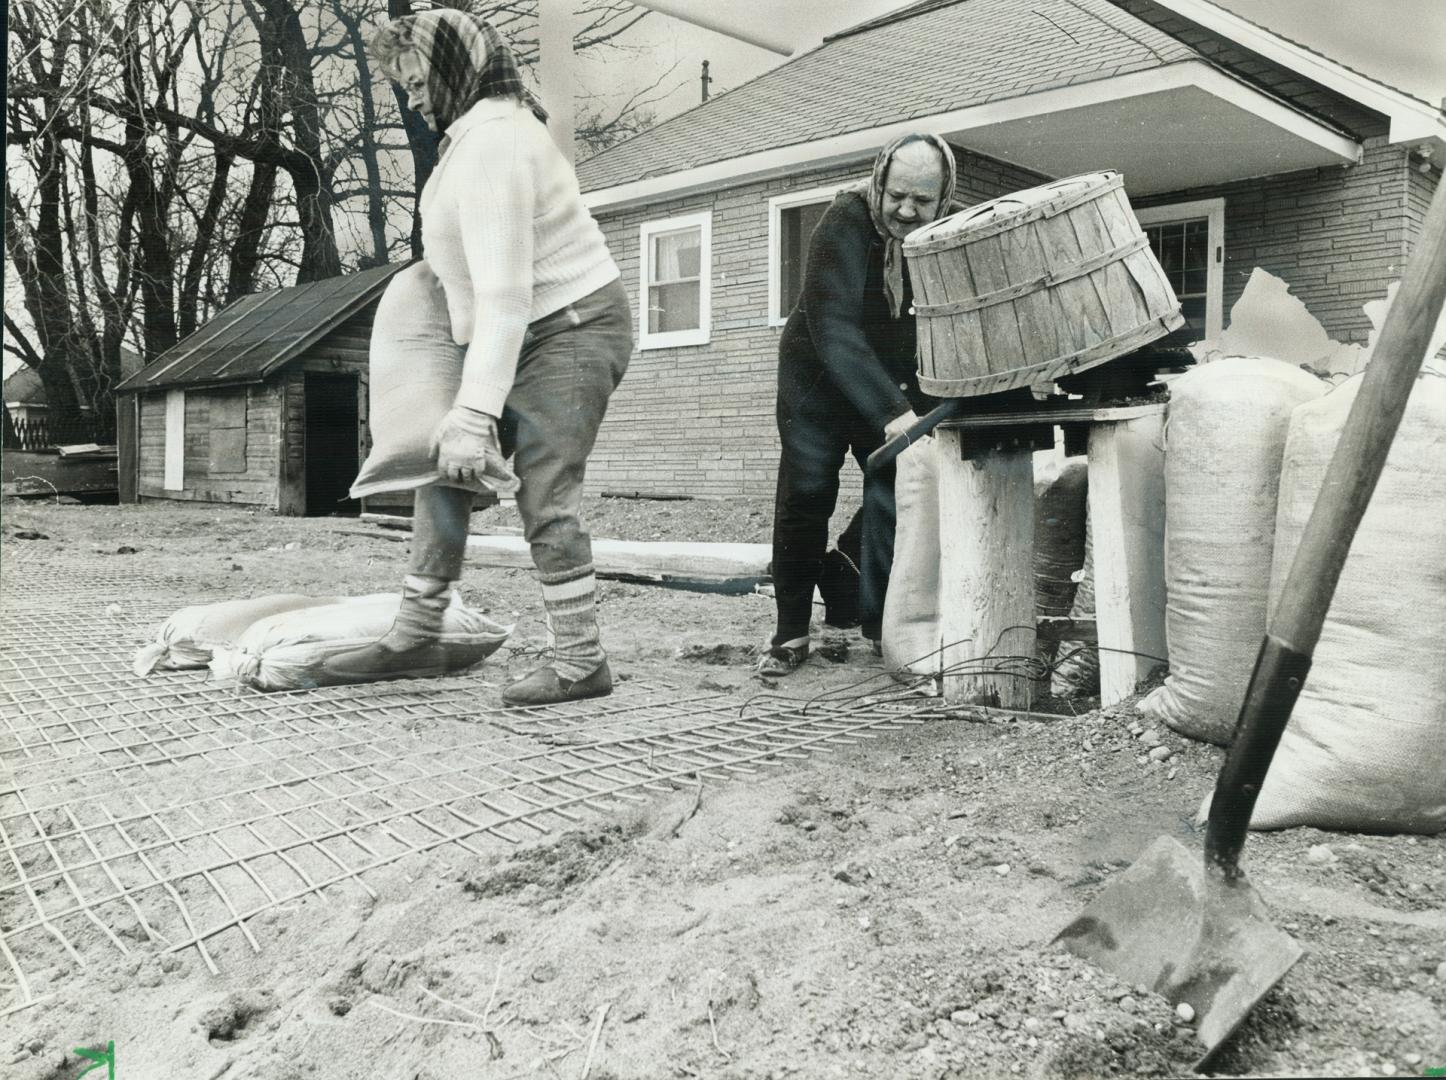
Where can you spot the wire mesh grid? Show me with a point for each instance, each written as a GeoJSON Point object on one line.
{"type": "Point", "coordinates": [175, 810]}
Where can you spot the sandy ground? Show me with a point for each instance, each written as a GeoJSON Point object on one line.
{"type": "Point", "coordinates": [885, 910]}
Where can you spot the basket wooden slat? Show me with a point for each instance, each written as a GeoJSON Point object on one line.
{"type": "Point", "coordinates": [1033, 286]}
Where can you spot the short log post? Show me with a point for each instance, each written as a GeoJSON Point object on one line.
{"type": "Point", "coordinates": [986, 573]}
{"type": "Point", "coordinates": [1127, 517]}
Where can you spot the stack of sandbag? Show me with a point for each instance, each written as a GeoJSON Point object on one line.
{"type": "Point", "coordinates": [910, 631]}
{"type": "Point", "coordinates": [289, 651]}
{"type": "Point", "coordinates": [1225, 435]}
{"type": "Point", "coordinates": [190, 637]}
{"type": "Point", "coordinates": [1366, 744]}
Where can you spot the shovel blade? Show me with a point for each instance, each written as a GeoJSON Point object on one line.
{"type": "Point", "coordinates": [1188, 935]}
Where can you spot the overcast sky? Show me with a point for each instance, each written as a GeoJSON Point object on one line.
{"type": "Point", "coordinates": [1402, 42]}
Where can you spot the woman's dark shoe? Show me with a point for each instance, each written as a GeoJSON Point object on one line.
{"type": "Point", "coordinates": [544, 686]}
{"type": "Point", "coordinates": [782, 660]}
{"type": "Point", "coordinates": [838, 584]}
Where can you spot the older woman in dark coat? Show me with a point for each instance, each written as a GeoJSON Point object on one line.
{"type": "Point", "coordinates": [848, 381]}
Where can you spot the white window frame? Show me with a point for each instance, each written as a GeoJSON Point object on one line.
{"type": "Point", "coordinates": [703, 221]}
{"type": "Point", "coordinates": [175, 479]}
{"type": "Point", "coordinates": [1213, 210]}
{"type": "Point", "coordinates": [776, 206]}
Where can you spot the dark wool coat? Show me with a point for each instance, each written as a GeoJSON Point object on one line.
{"type": "Point", "coordinates": [842, 353]}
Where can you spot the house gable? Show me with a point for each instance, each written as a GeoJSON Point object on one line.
{"type": "Point", "coordinates": [1309, 79]}
{"type": "Point", "coordinates": [930, 59]}
{"type": "Point", "coordinates": [1054, 86]}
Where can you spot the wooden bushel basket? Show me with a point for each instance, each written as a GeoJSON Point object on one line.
{"type": "Point", "coordinates": [1032, 286]}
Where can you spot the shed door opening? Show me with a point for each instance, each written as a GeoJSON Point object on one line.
{"type": "Point", "coordinates": [332, 430]}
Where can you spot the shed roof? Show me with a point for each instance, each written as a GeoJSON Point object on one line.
{"type": "Point", "coordinates": [24, 387]}
{"type": "Point", "coordinates": [932, 57]}
{"type": "Point", "coordinates": [252, 337]}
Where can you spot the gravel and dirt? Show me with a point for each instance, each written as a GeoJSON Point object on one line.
{"type": "Point", "coordinates": [885, 910]}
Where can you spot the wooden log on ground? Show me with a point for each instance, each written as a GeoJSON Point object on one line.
{"type": "Point", "coordinates": [649, 561]}
{"type": "Point", "coordinates": [986, 574]}
{"type": "Point", "coordinates": [404, 524]}
{"type": "Point", "coordinates": [634, 559]}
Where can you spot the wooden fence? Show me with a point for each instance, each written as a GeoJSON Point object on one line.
{"type": "Point", "coordinates": [42, 432]}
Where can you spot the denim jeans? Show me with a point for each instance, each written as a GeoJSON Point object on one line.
{"type": "Point", "coordinates": [571, 362]}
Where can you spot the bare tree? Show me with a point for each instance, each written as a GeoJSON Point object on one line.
{"type": "Point", "coordinates": [173, 155]}
{"type": "Point", "coordinates": [35, 239]}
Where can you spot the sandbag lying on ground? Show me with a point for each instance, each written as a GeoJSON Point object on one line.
{"type": "Point", "coordinates": [289, 651]}
{"type": "Point", "coordinates": [1366, 744]}
{"type": "Point", "coordinates": [1227, 429]}
{"type": "Point", "coordinates": [190, 637]}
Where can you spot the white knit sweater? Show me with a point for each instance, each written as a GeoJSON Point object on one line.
{"type": "Point", "coordinates": [505, 230]}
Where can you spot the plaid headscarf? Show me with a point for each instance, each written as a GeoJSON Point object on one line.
{"type": "Point", "coordinates": [873, 192]}
{"type": "Point", "coordinates": [466, 60]}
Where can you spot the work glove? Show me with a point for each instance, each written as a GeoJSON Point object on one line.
{"type": "Point", "coordinates": [468, 451]}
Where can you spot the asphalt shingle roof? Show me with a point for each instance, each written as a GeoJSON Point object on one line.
{"type": "Point", "coordinates": [930, 58]}
{"type": "Point", "coordinates": [250, 338]}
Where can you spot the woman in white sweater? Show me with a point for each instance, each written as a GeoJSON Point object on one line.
{"type": "Point", "coordinates": [505, 342]}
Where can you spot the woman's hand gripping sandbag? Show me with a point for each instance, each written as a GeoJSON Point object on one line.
{"type": "Point", "coordinates": [468, 451]}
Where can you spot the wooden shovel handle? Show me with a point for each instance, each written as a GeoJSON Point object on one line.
{"type": "Point", "coordinates": [1356, 465]}
{"type": "Point", "coordinates": [885, 455]}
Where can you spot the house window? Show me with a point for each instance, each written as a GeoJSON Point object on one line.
{"type": "Point", "coordinates": [175, 478]}
{"type": "Point", "coordinates": [675, 294]}
{"type": "Point", "coordinates": [1189, 240]}
{"type": "Point", "coordinates": [791, 221]}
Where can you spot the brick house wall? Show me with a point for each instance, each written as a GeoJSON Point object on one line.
{"type": "Point", "coordinates": [1420, 186]}
{"type": "Point", "coordinates": [699, 419]}
{"type": "Point", "coordinates": [1337, 236]}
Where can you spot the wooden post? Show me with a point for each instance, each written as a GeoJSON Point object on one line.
{"type": "Point", "coordinates": [128, 447]}
{"type": "Point", "coordinates": [289, 401]}
{"type": "Point", "coordinates": [986, 572]}
{"type": "Point", "coordinates": [1127, 516]}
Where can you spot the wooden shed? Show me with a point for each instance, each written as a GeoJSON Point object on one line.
{"type": "Point", "coordinates": [265, 405]}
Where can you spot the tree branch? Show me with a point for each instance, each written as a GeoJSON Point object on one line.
{"type": "Point", "coordinates": [25, 350]}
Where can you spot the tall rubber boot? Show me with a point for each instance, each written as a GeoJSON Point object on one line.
{"type": "Point", "coordinates": [579, 667]}
{"type": "Point", "coordinates": [838, 581]}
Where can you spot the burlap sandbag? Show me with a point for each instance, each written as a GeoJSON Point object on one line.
{"type": "Point", "coordinates": [911, 609]}
{"type": "Point", "coordinates": [190, 637]}
{"type": "Point", "coordinates": [289, 651]}
{"type": "Point", "coordinates": [415, 371]}
{"type": "Point", "coordinates": [1226, 431]}
{"type": "Point", "coordinates": [1366, 745]}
